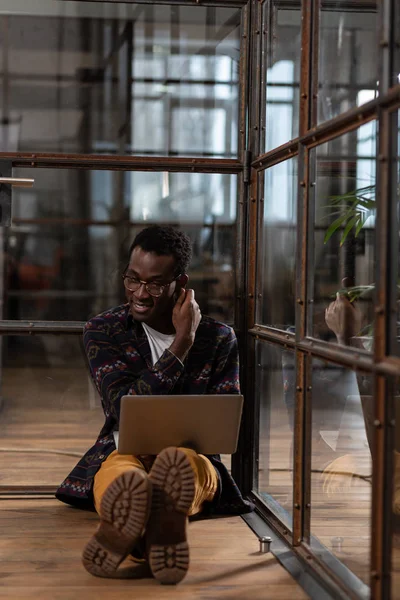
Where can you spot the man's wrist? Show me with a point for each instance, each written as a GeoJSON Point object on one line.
{"type": "Point", "coordinates": [175, 356]}
{"type": "Point", "coordinates": [181, 346]}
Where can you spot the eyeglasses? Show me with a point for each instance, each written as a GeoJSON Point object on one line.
{"type": "Point", "coordinates": [154, 289]}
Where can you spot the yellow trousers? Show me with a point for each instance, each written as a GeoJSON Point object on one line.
{"type": "Point", "coordinates": [206, 478]}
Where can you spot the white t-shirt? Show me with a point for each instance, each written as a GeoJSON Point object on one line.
{"type": "Point", "coordinates": [158, 342]}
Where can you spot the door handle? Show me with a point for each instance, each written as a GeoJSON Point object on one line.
{"type": "Point", "coordinates": [17, 181]}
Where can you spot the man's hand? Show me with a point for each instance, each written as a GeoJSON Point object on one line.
{"type": "Point", "coordinates": [186, 317]}
{"type": "Point", "coordinates": [343, 318]}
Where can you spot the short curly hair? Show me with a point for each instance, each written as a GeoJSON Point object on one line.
{"type": "Point", "coordinates": [165, 241]}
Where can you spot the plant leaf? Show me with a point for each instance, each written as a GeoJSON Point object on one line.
{"type": "Point", "coordinates": [361, 224]}
{"type": "Point", "coordinates": [334, 226]}
{"type": "Point", "coordinates": [348, 227]}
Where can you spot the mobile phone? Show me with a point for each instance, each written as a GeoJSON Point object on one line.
{"type": "Point", "coordinates": [177, 291]}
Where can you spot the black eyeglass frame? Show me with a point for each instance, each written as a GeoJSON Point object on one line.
{"type": "Point", "coordinates": [162, 286]}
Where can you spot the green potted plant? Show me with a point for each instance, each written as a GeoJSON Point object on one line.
{"type": "Point", "coordinates": [350, 212]}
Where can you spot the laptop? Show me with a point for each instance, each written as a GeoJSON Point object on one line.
{"type": "Point", "coordinates": [209, 423]}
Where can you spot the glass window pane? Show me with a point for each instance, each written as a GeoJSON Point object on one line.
{"type": "Point", "coordinates": [342, 428]}
{"type": "Point", "coordinates": [282, 75]}
{"type": "Point", "coordinates": [396, 249]}
{"type": "Point", "coordinates": [61, 272]}
{"type": "Point", "coordinates": [275, 385]}
{"type": "Point", "coordinates": [277, 262]}
{"type": "Point", "coordinates": [395, 384]}
{"type": "Point", "coordinates": [395, 79]}
{"type": "Point", "coordinates": [69, 240]}
{"type": "Point", "coordinates": [51, 408]}
{"type": "Point", "coordinates": [348, 69]}
{"type": "Point", "coordinates": [120, 79]}
{"type": "Point", "coordinates": [344, 238]}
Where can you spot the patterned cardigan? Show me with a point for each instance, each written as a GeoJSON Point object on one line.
{"type": "Point", "coordinates": [120, 363]}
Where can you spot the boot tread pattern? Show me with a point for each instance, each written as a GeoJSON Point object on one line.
{"type": "Point", "coordinates": [124, 511]}
{"type": "Point", "coordinates": [169, 564]}
{"type": "Point", "coordinates": [173, 483]}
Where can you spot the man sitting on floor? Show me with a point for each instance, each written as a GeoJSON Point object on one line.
{"type": "Point", "coordinates": [157, 343]}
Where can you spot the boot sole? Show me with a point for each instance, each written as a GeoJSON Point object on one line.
{"type": "Point", "coordinates": [124, 511]}
{"type": "Point", "coordinates": [173, 484]}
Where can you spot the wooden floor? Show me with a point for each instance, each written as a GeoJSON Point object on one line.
{"type": "Point", "coordinates": [42, 541]}
{"type": "Point", "coordinates": [50, 416]}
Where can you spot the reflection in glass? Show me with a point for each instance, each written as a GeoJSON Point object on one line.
{"type": "Point", "coordinates": [396, 386]}
{"type": "Point", "coordinates": [347, 57]}
{"type": "Point", "coordinates": [181, 197]}
{"type": "Point", "coordinates": [396, 349]}
{"type": "Point", "coordinates": [395, 75]}
{"type": "Point", "coordinates": [71, 232]}
{"type": "Point", "coordinates": [344, 238]}
{"type": "Point", "coordinates": [342, 429]}
{"type": "Point", "coordinates": [61, 272]}
{"type": "Point", "coordinates": [277, 262]}
{"type": "Point", "coordinates": [124, 79]}
{"type": "Point", "coordinates": [283, 75]}
{"type": "Point", "coordinates": [51, 409]}
{"type": "Point", "coordinates": [396, 494]}
{"type": "Point", "coordinates": [275, 377]}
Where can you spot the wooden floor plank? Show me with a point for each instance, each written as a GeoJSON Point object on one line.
{"type": "Point", "coordinates": [42, 541]}
{"type": "Point", "coordinates": [55, 408]}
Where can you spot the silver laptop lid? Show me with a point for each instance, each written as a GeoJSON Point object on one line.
{"type": "Point", "coordinates": [209, 423]}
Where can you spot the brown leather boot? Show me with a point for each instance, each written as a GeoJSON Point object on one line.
{"type": "Point", "coordinates": [173, 485]}
{"type": "Point", "coordinates": [124, 511]}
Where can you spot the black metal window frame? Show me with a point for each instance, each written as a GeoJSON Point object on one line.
{"type": "Point", "coordinates": [382, 365]}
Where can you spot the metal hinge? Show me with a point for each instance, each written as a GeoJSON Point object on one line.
{"type": "Point", "coordinates": [246, 168]}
